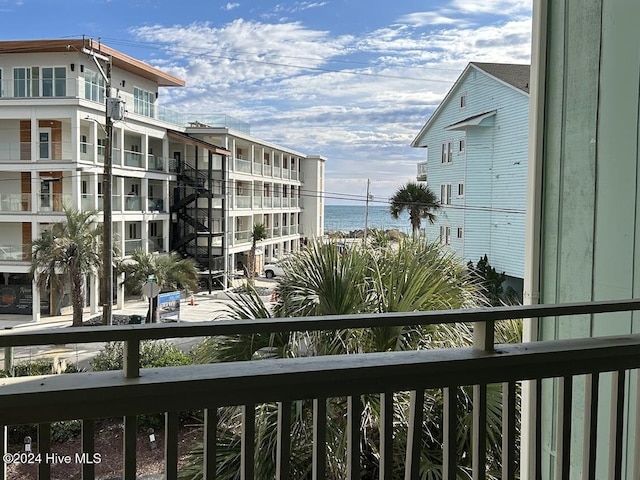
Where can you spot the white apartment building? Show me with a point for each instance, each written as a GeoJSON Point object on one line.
{"type": "Point", "coordinates": [190, 183]}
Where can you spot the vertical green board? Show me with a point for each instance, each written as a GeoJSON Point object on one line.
{"type": "Point", "coordinates": [590, 191]}
{"type": "Point", "coordinates": [616, 218]}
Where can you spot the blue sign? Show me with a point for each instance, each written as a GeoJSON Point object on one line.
{"type": "Point", "coordinates": [168, 305]}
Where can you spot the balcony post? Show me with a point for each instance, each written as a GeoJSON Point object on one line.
{"type": "Point", "coordinates": [3, 450]}
{"type": "Point", "coordinates": [8, 358]}
{"type": "Point", "coordinates": [483, 335]}
{"type": "Point", "coordinates": [131, 358]}
{"type": "Point", "coordinates": [319, 466]}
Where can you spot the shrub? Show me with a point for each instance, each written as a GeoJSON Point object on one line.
{"type": "Point", "coordinates": [152, 354]}
{"type": "Point", "coordinates": [41, 367]}
{"type": "Point", "coordinates": [60, 431]}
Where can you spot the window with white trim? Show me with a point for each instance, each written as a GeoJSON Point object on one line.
{"type": "Point", "coordinates": [446, 156]}
{"type": "Point", "coordinates": [134, 231]}
{"type": "Point", "coordinates": [94, 86]}
{"type": "Point", "coordinates": [83, 144]}
{"type": "Point", "coordinates": [445, 235]}
{"type": "Point", "coordinates": [463, 100]}
{"type": "Point", "coordinates": [143, 102]}
{"type": "Point", "coordinates": [461, 145]}
{"type": "Point", "coordinates": [461, 189]}
{"type": "Point", "coordinates": [445, 194]}
{"type": "Point", "coordinates": [54, 81]}
{"type": "Point", "coordinates": [22, 81]}
{"type": "Point", "coordinates": [460, 233]}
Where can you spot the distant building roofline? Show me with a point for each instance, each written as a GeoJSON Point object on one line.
{"type": "Point", "coordinates": [119, 59]}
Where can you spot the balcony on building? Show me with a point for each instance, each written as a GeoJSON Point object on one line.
{"type": "Point", "coordinates": [422, 172]}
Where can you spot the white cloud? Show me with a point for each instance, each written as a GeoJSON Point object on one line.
{"type": "Point", "coordinates": [230, 6]}
{"type": "Point", "coordinates": [286, 80]}
{"type": "Point", "coordinates": [296, 7]}
{"type": "Point", "coordinates": [422, 19]}
{"type": "Point", "coordinates": [494, 7]}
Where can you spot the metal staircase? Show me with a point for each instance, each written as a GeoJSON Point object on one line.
{"type": "Point", "coordinates": [191, 234]}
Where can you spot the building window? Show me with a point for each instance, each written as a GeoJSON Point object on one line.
{"type": "Point", "coordinates": [445, 235]}
{"type": "Point", "coordinates": [94, 86]}
{"type": "Point", "coordinates": [459, 233]}
{"type": "Point", "coordinates": [445, 194]}
{"type": "Point", "coordinates": [22, 82]}
{"type": "Point", "coordinates": [143, 102]}
{"type": "Point", "coordinates": [54, 81]}
{"type": "Point", "coordinates": [461, 190]}
{"type": "Point", "coordinates": [463, 100]}
{"type": "Point", "coordinates": [446, 153]}
{"type": "Point", "coordinates": [102, 143]}
{"type": "Point", "coordinates": [444, 158]}
{"type": "Point", "coordinates": [153, 229]}
{"type": "Point", "coordinates": [83, 144]}
{"type": "Point", "coordinates": [133, 231]}
{"type": "Point", "coordinates": [461, 145]}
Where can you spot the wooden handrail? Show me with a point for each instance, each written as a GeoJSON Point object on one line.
{"type": "Point", "coordinates": [14, 338]}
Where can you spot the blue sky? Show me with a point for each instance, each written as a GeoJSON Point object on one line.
{"type": "Point", "coordinates": [352, 80]}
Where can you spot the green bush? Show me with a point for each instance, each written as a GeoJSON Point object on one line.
{"type": "Point", "coordinates": [40, 367]}
{"type": "Point", "coordinates": [152, 354]}
{"type": "Point", "coordinates": [60, 431]}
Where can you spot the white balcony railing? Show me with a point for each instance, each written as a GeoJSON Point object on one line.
{"type": "Point", "coordinates": [15, 202]}
{"type": "Point", "coordinates": [93, 395]}
{"type": "Point", "coordinates": [243, 236]}
{"type": "Point", "coordinates": [132, 245]}
{"type": "Point", "coordinates": [422, 171]}
{"type": "Point", "coordinates": [243, 166]}
{"type": "Point", "coordinates": [133, 159]}
{"type": "Point", "coordinates": [14, 251]}
{"type": "Point", "coordinates": [242, 201]}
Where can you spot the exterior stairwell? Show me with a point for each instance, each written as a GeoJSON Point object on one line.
{"type": "Point", "coordinates": [192, 235]}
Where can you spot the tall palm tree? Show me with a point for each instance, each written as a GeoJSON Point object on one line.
{"type": "Point", "coordinates": [258, 234]}
{"type": "Point", "coordinates": [417, 199]}
{"type": "Point", "coordinates": [66, 253]}
{"type": "Point", "coordinates": [169, 270]}
{"type": "Point", "coordinates": [320, 280]}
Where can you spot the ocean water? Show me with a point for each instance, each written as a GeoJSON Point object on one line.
{"type": "Point", "coordinates": [345, 218]}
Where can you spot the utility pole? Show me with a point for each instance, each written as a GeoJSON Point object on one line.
{"type": "Point", "coordinates": [112, 109]}
{"type": "Point", "coordinates": [366, 213]}
{"type": "Point", "coordinates": [107, 260]}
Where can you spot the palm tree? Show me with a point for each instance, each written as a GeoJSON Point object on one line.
{"type": "Point", "coordinates": [258, 234]}
{"type": "Point", "coordinates": [320, 280]}
{"type": "Point", "coordinates": [417, 199]}
{"type": "Point", "coordinates": [169, 270]}
{"type": "Point", "coordinates": [66, 253]}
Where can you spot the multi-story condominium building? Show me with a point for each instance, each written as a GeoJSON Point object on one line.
{"type": "Point", "coordinates": [477, 164]}
{"type": "Point", "coordinates": [195, 184]}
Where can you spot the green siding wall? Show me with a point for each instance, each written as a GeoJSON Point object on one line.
{"type": "Point", "coordinates": [590, 230]}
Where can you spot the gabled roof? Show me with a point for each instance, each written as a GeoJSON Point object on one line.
{"type": "Point", "coordinates": [513, 75]}
{"type": "Point", "coordinates": [119, 59]}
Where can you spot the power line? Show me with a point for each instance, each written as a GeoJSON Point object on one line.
{"type": "Point", "coordinates": [194, 53]}
{"type": "Point", "coordinates": [328, 195]}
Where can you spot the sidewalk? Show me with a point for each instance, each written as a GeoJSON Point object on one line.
{"type": "Point", "coordinates": [207, 307]}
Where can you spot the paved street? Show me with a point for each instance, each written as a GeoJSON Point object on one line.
{"type": "Point", "coordinates": [205, 308]}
